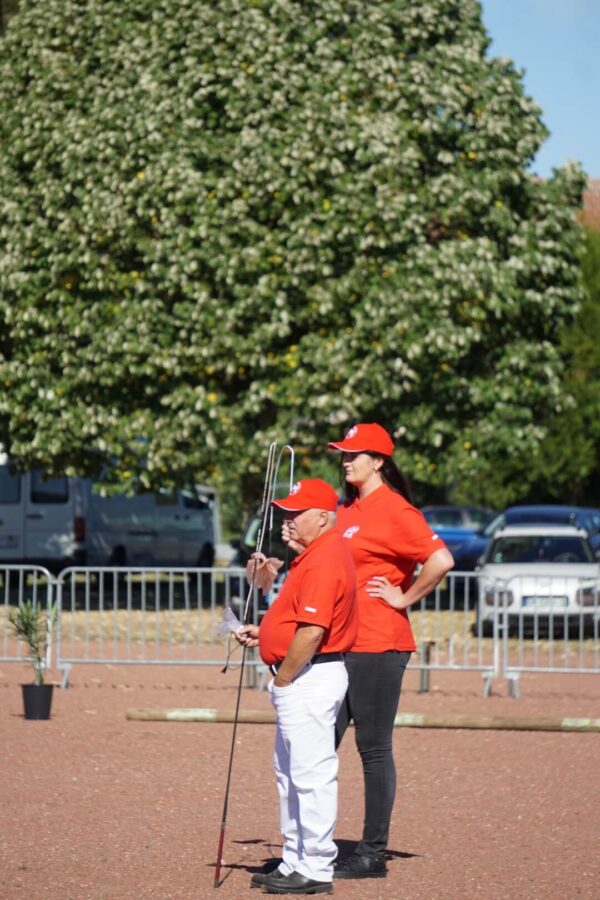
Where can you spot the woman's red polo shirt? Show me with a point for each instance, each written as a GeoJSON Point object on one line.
{"type": "Point", "coordinates": [387, 537]}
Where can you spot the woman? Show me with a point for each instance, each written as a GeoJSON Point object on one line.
{"type": "Point", "coordinates": [387, 537]}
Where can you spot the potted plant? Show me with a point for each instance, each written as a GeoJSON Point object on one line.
{"type": "Point", "coordinates": [32, 623]}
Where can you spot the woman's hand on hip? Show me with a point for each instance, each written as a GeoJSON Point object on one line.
{"type": "Point", "coordinates": [379, 586]}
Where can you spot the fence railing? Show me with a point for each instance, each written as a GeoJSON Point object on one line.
{"type": "Point", "coordinates": [164, 616]}
{"type": "Point", "coordinates": [145, 616]}
{"type": "Point", "coordinates": [444, 628]}
{"type": "Point", "coordinates": [547, 625]}
{"type": "Point", "coordinates": [17, 585]}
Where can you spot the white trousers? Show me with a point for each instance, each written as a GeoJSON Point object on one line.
{"type": "Point", "coordinates": [306, 767]}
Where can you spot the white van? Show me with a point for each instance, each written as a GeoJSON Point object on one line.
{"type": "Point", "coordinates": [62, 521]}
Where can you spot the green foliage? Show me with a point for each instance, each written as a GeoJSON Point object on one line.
{"type": "Point", "coordinates": [579, 438]}
{"type": "Point", "coordinates": [32, 623]}
{"type": "Point", "coordinates": [572, 447]}
{"type": "Point", "coordinates": [566, 467]}
{"type": "Point", "coordinates": [591, 276]}
{"type": "Point", "coordinates": [227, 223]}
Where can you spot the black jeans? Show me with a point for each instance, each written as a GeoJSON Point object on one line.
{"type": "Point", "coordinates": [375, 680]}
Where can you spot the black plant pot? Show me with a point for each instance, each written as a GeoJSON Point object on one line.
{"type": "Point", "coordinates": [37, 700]}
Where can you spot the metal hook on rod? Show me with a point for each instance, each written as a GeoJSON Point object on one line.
{"type": "Point", "coordinates": [292, 454]}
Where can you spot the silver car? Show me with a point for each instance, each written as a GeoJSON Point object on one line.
{"type": "Point", "coordinates": [539, 576]}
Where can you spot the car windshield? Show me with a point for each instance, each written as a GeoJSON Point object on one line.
{"type": "Point", "coordinates": [272, 544]}
{"type": "Point", "coordinates": [451, 518]}
{"type": "Point", "coordinates": [481, 517]}
{"type": "Point", "coordinates": [493, 525]}
{"type": "Point", "coordinates": [537, 549]}
{"type": "Point", "coordinates": [593, 523]}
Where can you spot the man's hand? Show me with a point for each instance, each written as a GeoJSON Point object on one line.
{"type": "Point", "coordinates": [247, 635]}
{"type": "Point", "coordinates": [305, 644]}
{"type": "Point", "coordinates": [296, 546]}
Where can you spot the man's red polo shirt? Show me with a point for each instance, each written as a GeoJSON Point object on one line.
{"type": "Point", "coordinates": [320, 589]}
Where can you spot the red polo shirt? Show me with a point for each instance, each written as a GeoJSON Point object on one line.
{"type": "Point", "coordinates": [387, 537]}
{"type": "Point", "coordinates": [320, 589]}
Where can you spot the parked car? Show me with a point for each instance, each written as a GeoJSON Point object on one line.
{"type": "Point", "coordinates": [62, 521]}
{"type": "Point", "coordinates": [447, 516]}
{"type": "Point", "coordinates": [457, 525]}
{"type": "Point", "coordinates": [468, 552]}
{"type": "Point", "coordinates": [538, 575]}
{"type": "Point", "coordinates": [272, 544]}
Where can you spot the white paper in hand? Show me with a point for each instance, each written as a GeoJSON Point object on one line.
{"type": "Point", "coordinates": [229, 622]}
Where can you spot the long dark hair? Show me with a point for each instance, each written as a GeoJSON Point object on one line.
{"type": "Point", "coordinates": [391, 474]}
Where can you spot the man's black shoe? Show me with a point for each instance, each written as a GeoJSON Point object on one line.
{"type": "Point", "coordinates": [259, 878]}
{"type": "Point", "coordinates": [271, 865]}
{"type": "Point", "coordinates": [357, 866]}
{"type": "Point", "coordinates": [295, 884]}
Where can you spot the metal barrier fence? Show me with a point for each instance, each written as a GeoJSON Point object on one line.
{"type": "Point", "coordinates": [161, 616]}
{"type": "Point", "coordinates": [545, 625]}
{"type": "Point", "coordinates": [145, 616]}
{"type": "Point", "coordinates": [446, 637]}
{"type": "Point", "coordinates": [17, 585]}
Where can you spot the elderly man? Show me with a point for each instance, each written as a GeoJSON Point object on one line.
{"type": "Point", "coordinates": [302, 638]}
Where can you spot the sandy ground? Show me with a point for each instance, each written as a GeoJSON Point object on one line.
{"type": "Point", "coordinates": [96, 807]}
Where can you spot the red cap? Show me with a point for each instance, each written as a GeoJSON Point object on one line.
{"type": "Point", "coordinates": [365, 437]}
{"type": "Point", "coordinates": [310, 493]}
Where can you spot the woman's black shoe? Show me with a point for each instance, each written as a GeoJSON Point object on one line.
{"type": "Point", "coordinates": [357, 866]}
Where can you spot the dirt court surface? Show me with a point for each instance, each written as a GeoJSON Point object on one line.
{"type": "Point", "coordinates": [96, 807]}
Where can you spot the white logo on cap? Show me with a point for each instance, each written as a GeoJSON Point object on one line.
{"type": "Point", "coordinates": [296, 488]}
{"type": "Point", "coordinates": [352, 432]}
{"type": "Point", "coordinates": [350, 532]}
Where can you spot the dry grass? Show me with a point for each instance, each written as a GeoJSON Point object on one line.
{"type": "Point", "coordinates": [177, 626]}
{"type": "Point", "coordinates": [445, 636]}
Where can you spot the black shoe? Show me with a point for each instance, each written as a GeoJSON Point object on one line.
{"type": "Point", "coordinates": [294, 884]}
{"type": "Point", "coordinates": [357, 866]}
{"type": "Point", "coordinates": [259, 878]}
{"type": "Point", "coordinates": [271, 865]}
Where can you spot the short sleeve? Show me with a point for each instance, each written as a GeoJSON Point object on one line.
{"type": "Point", "coordinates": [318, 590]}
{"type": "Point", "coordinates": [412, 537]}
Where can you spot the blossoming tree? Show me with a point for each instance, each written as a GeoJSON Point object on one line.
{"type": "Point", "coordinates": [224, 223]}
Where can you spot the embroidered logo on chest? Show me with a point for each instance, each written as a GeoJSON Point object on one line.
{"type": "Point", "coordinates": [350, 532]}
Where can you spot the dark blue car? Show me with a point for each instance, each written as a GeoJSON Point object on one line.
{"type": "Point", "coordinates": [467, 553]}
{"type": "Point", "coordinates": [457, 524]}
